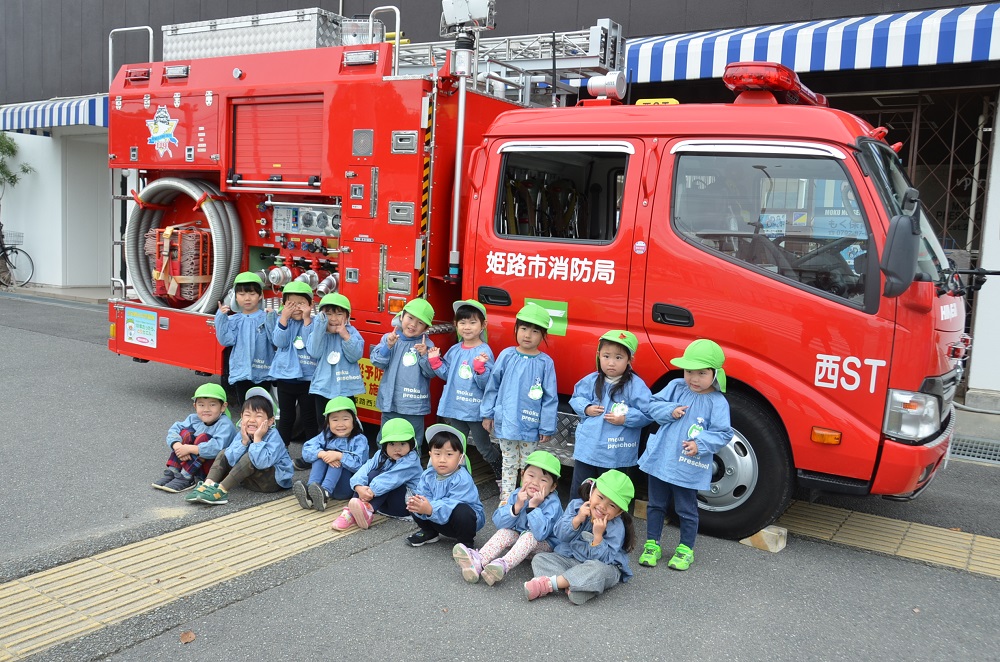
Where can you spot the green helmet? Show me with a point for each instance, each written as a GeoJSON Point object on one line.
{"type": "Point", "coordinates": [297, 287]}
{"type": "Point", "coordinates": [701, 354]}
{"type": "Point", "coordinates": [420, 309]}
{"type": "Point", "coordinates": [532, 313]}
{"type": "Point", "coordinates": [210, 391]}
{"type": "Point", "coordinates": [340, 403]}
{"type": "Point", "coordinates": [617, 487]}
{"type": "Point", "coordinates": [249, 277]}
{"type": "Point", "coordinates": [626, 339]}
{"type": "Point", "coordinates": [545, 461]}
{"type": "Point", "coordinates": [335, 299]}
{"type": "Point", "coordinates": [398, 430]}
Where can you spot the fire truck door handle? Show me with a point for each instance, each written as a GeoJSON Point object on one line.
{"type": "Point", "coordinates": [494, 296]}
{"type": "Point", "coordinates": [664, 313]}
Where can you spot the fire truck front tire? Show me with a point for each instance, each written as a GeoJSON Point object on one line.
{"type": "Point", "coordinates": [752, 477]}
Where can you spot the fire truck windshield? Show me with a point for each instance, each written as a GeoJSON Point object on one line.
{"type": "Point", "coordinates": [892, 184]}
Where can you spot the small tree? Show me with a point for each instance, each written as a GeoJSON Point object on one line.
{"type": "Point", "coordinates": [10, 175]}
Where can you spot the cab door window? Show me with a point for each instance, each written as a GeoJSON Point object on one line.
{"type": "Point", "coordinates": [795, 217]}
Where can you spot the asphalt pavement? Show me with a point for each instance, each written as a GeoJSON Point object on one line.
{"type": "Point", "coordinates": [83, 438]}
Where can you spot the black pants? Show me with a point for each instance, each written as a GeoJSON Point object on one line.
{"type": "Point", "coordinates": [320, 402]}
{"type": "Point", "coordinates": [240, 389]}
{"type": "Point", "coordinates": [391, 503]}
{"type": "Point", "coordinates": [292, 392]}
{"type": "Point", "coordinates": [461, 525]}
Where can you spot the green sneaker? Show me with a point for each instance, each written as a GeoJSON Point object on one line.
{"type": "Point", "coordinates": [651, 553]}
{"type": "Point", "coordinates": [682, 559]}
{"type": "Point", "coordinates": [214, 496]}
{"type": "Point", "coordinates": [196, 493]}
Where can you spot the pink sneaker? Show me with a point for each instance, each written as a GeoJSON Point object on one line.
{"type": "Point", "coordinates": [537, 587]}
{"type": "Point", "coordinates": [495, 571]}
{"type": "Point", "coordinates": [362, 511]}
{"type": "Point", "coordinates": [469, 561]}
{"type": "Point", "coordinates": [344, 522]}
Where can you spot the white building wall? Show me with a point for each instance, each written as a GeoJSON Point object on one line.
{"type": "Point", "coordinates": [34, 207]}
{"type": "Point", "coordinates": [87, 213]}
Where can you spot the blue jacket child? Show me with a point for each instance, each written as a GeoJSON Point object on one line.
{"type": "Point", "coordinates": [335, 453]}
{"type": "Point", "coordinates": [446, 501]}
{"type": "Point", "coordinates": [382, 483]}
{"type": "Point", "coordinates": [248, 334]}
{"type": "Point", "coordinates": [256, 450]}
{"type": "Point", "coordinates": [404, 391]}
{"type": "Point", "coordinates": [292, 367]}
{"type": "Point", "coordinates": [337, 347]}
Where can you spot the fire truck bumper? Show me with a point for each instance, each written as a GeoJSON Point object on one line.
{"type": "Point", "coordinates": [905, 470]}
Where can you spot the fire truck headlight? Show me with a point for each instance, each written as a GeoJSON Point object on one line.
{"type": "Point", "coordinates": [911, 417]}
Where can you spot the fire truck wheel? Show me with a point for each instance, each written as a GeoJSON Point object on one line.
{"type": "Point", "coordinates": [752, 477]}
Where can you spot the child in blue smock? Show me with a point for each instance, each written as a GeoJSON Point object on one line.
{"type": "Point", "coordinates": [255, 458]}
{"type": "Point", "coordinates": [466, 368]}
{"type": "Point", "coordinates": [521, 401]}
{"type": "Point", "coordinates": [292, 367]}
{"type": "Point", "coordinates": [594, 536]}
{"type": "Point", "coordinates": [694, 424]}
{"type": "Point", "coordinates": [335, 454]}
{"type": "Point", "coordinates": [404, 391]}
{"type": "Point", "coordinates": [382, 483]}
{"type": "Point", "coordinates": [196, 440]}
{"type": "Point", "coordinates": [526, 526]}
{"type": "Point", "coordinates": [446, 501]}
{"type": "Point", "coordinates": [247, 333]}
{"type": "Point", "coordinates": [337, 347]}
{"type": "Point", "coordinates": [611, 404]}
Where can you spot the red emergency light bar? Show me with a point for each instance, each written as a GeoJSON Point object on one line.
{"type": "Point", "coordinates": [770, 77]}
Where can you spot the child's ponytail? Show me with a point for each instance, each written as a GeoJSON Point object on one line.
{"type": "Point", "coordinates": [629, 543]}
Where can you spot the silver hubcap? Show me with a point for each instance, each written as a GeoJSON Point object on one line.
{"type": "Point", "coordinates": [734, 477]}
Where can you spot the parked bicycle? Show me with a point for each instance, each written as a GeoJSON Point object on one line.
{"type": "Point", "coordinates": [16, 266]}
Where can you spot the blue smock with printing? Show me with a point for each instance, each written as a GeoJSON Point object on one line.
{"type": "Point", "coordinates": [602, 444]}
{"type": "Point", "coordinates": [541, 521]}
{"type": "Point", "coordinates": [269, 452]}
{"type": "Point", "coordinates": [406, 380]}
{"type": "Point", "coordinates": [446, 492]}
{"type": "Point", "coordinates": [250, 339]}
{"type": "Point", "coordinates": [575, 543]}
{"type": "Point", "coordinates": [463, 391]}
{"type": "Point", "coordinates": [507, 399]}
{"type": "Point", "coordinates": [706, 421]}
{"type": "Point", "coordinates": [344, 376]}
{"type": "Point", "coordinates": [291, 362]}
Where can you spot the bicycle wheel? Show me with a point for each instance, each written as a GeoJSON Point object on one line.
{"type": "Point", "coordinates": [20, 265]}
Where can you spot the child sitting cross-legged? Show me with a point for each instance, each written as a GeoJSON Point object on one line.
{"type": "Point", "coordinates": [381, 484]}
{"type": "Point", "coordinates": [255, 458]}
{"type": "Point", "coordinates": [525, 525]}
{"type": "Point", "coordinates": [335, 453]}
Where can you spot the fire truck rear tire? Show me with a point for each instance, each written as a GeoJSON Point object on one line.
{"type": "Point", "coordinates": [752, 478]}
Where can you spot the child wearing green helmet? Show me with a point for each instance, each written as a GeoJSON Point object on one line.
{"type": "Point", "coordinates": [197, 439]}
{"type": "Point", "coordinates": [404, 390]}
{"type": "Point", "coordinates": [334, 455]}
{"type": "Point", "coordinates": [611, 404]}
{"type": "Point", "coordinates": [594, 537]}
{"type": "Point", "coordinates": [526, 526]}
{"type": "Point", "coordinates": [247, 335]}
{"type": "Point", "coordinates": [694, 424]}
{"type": "Point", "coordinates": [292, 368]}
{"type": "Point", "coordinates": [521, 401]}
{"type": "Point", "coordinates": [337, 347]}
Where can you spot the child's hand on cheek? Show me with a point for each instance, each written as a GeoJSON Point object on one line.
{"type": "Point", "coordinates": [537, 497]}
{"type": "Point", "coordinates": [522, 496]}
{"type": "Point", "coordinates": [600, 525]}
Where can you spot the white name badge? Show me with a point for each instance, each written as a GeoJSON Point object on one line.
{"type": "Point", "coordinates": [333, 358]}
{"type": "Point", "coordinates": [299, 343]}
{"type": "Point", "coordinates": [410, 358]}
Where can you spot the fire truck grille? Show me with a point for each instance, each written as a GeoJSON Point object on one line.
{"type": "Point", "coordinates": [363, 143]}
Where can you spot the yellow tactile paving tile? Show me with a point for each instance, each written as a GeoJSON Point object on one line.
{"type": "Point", "coordinates": [813, 520]}
{"type": "Point", "coordinates": [985, 556]}
{"type": "Point", "coordinates": [940, 546]}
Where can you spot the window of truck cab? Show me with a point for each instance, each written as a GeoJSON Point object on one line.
{"type": "Point", "coordinates": [787, 211]}
{"type": "Point", "coordinates": [564, 192]}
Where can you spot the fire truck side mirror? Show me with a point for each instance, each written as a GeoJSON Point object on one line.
{"type": "Point", "coordinates": [899, 261]}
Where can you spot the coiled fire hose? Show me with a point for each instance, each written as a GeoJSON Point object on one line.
{"type": "Point", "coordinates": [223, 223]}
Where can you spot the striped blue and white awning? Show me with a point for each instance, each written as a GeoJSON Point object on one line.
{"type": "Point", "coordinates": [940, 36]}
{"type": "Point", "coordinates": [40, 116]}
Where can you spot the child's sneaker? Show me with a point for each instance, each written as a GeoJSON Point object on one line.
{"type": "Point", "coordinates": [421, 537]}
{"type": "Point", "coordinates": [214, 496]}
{"type": "Point", "coordinates": [537, 587]}
{"type": "Point", "coordinates": [301, 465]}
{"type": "Point", "coordinates": [344, 522]}
{"type": "Point", "coordinates": [167, 476]}
{"type": "Point", "coordinates": [651, 553]}
{"type": "Point", "coordinates": [302, 494]}
{"type": "Point", "coordinates": [495, 571]}
{"type": "Point", "coordinates": [317, 495]}
{"type": "Point", "coordinates": [361, 511]}
{"type": "Point", "coordinates": [682, 559]}
{"type": "Point", "coordinates": [469, 561]}
{"type": "Point", "coordinates": [179, 484]}
{"type": "Point", "coordinates": [199, 489]}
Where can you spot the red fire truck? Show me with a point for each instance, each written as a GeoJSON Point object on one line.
{"type": "Point", "coordinates": [787, 232]}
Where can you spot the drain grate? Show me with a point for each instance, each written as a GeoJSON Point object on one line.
{"type": "Point", "coordinates": [973, 448]}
